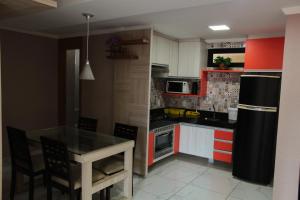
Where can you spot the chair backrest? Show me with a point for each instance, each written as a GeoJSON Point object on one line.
{"type": "Point", "coordinates": [126, 131]}
{"type": "Point", "coordinates": [19, 148]}
{"type": "Point", "coordinates": [88, 124]}
{"type": "Point", "coordinates": [56, 159]}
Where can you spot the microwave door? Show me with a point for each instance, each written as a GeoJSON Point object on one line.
{"type": "Point", "coordinates": [175, 87]}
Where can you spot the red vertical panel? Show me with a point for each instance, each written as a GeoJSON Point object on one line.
{"type": "Point", "coordinates": [264, 54]}
{"type": "Point", "coordinates": [176, 138]}
{"type": "Point", "coordinates": [203, 83]}
{"type": "Point", "coordinates": [151, 149]}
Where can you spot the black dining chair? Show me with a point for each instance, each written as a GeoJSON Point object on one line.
{"type": "Point", "coordinates": [88, 124]}
{"type": "Point", "coordinates": [22, 160]}
{"type": "Point", "coordinates": [115, 164]}
{"type": "Point", "coordinates": [60, 172]}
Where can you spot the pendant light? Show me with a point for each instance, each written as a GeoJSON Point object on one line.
{"type": "Point", "coordinates": [86, 73]}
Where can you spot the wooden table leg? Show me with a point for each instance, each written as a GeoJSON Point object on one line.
{"type": "Point", "coordinates": [86, 181]}
{"type": "Point", "coordinates": [128, 167]}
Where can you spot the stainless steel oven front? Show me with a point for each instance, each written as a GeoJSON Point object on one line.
{"type": "Point", "coordinates": [164, 142]}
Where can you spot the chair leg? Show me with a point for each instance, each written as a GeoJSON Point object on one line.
{"type": "Point", "coordinates": [102, 194]}
{"type": "Point", "coordinates": [49, 191]}
{"type": "Point", "coordinates": [108, 192]}
{"type": "Point", "coordinates": [13, 184]}
{"type": "Point", "coordinates": [31, 188]}
{"type": "Point", "coordinates": [72, 194]}
{"type": "Point", "coordinates": [79, 195]}
{"type": "Point", "coordinates": [44, 179]}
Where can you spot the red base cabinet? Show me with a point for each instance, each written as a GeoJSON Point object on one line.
{"type": "Point", "coordinates": [151, 148]}
{"type": "Point", "coordinates": [176, 139]}
{"type": "Point", "coordinates": [223, 145]}
{"type": "Point", "coordinates": [264, 54]}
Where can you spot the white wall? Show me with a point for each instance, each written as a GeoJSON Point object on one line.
{"type": "Point", "coordinates": [288, 141]}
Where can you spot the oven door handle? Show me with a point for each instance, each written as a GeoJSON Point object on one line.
{"type": "Point", "coordinates": [163, 134]}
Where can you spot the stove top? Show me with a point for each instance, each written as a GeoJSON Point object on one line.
{"type": "Point", "coordinates": [160, 123]}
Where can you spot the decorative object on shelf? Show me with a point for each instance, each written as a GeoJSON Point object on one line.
{"type": "Point", "coordinates": [237, 56]}
{"type": "Point", "coordinates": [222, 62]}
{"type": "Point", "coordinates": [117, 49]}
{"type": "Point", "coordinates": [86, 73]}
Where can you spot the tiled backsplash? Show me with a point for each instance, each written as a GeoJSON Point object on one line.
{"type": "Point", "coordinates": [222, 91]}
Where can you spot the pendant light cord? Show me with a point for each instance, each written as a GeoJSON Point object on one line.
{"type": "Point", "coordinates": [87, 37]}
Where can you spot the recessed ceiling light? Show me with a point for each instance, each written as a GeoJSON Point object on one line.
{"type": "Point", "coordinates": [219, 28]}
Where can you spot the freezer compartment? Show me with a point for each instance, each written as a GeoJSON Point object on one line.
{"type": "Point", "coordinates": [254, 146]}
{"type": "Point", "coordinates": [260, 90]}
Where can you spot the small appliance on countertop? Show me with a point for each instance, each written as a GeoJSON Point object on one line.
{"type": "Point", "coordinates": [180, 87]}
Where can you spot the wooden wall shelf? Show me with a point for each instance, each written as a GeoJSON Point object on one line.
{"type": "Point", "coordinates": [141, 41]}
{"type": "Point", "coordinates": [123, 57]}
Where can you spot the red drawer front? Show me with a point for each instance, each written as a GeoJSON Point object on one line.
{"type": "Point", "coordinates": [151, 148]}
{"type": "Point", "coordinates": [225, 157]}
{"type": "Point", "coordinates": [224, 135]}
{"type": "Point", "coordinates": [224, 146]}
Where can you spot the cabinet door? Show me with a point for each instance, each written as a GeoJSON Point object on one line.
{"type": "Point", "coordinates": [264, 54]}
{"type": "Point", "coordinates": [163, 50]}
{"type": "Point", "coordinates": [203, 142]}
{"type": "Point", "coordinates": [189, 59]}
{"type": "Point", "coordinates": [184, 141]}
{"type": "Point", "coordinates": [173, 66]}
{"type": "Point", "coordinates": [154, 49]}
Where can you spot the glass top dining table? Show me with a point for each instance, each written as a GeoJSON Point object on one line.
{"type": "Point", "coordinates": [78, 141]}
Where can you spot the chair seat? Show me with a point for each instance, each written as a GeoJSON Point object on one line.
{"type": "Point", "coordinates": [110, 165]}
{"type": "Point", "coordinates": [76, 173]}
{"type": "Point", "coordinates": [37, 163]}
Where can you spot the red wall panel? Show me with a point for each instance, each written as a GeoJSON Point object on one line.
{"type": "Point", "coordinates": [264, 54]}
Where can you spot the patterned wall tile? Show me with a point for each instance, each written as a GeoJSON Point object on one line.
{"type": "Point", "coordinates": [222, 91]}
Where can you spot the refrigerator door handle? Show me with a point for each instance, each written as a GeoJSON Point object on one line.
{"type": "Point", "coordinates": [257, 108]}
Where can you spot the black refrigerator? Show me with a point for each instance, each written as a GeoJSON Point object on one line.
{"type": "Point", "coordinates": [255, 135]}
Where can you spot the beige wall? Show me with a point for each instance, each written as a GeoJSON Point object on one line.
{"type": "Point", "coordinates": [29, 82]}
{"type": "Point", "coordinates": [97, 95]}
{"type": "Point", "coordinates": [131, 94]}
{"type": "Point", "coordinates": [288, 141]}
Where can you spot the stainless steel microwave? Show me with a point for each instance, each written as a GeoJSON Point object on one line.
{"type": "Point", "coordinates": [178, 87]}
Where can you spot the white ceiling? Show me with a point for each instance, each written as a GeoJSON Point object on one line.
{"type": "Point", "coordinates": [177, 18]}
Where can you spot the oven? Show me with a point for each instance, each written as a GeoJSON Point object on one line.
{"type": "Point", "coordinates": [164, 142]}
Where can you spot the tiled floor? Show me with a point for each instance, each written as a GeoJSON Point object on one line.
{"type": "Point", "coordinates": [185, 178]}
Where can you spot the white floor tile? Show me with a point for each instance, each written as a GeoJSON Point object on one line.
{"type": "Point", "coordinates": [182, 171]}
{"type": "Point", "coordinates": [195, 193]}
{"type": "Point", "coordinates": [161, 187]}
{"type": "Point", "coordinates": [232, 198]}
{"type": "Point", "coordinates": [248, 191]}
{"type": "Point", "coordinates": [217, 181]}
{"type": "Point", "coordinates": [141, 195]}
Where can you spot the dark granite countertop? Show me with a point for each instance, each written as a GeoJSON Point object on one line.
{"type": "Point", "coordinates": [206, 119]}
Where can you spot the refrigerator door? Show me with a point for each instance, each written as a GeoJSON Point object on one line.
{"type": "Point", "coordinates": [254, 144]}
{"type": "Point", "coordinates": [260, 90]}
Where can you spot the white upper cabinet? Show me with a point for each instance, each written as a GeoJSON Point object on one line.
{"type": "Point", "coordinates": [160, 50]}
{"type": "Point", "coordinates": [184, 58]}
{"type": "Point", "coordinates": [173, 65]}
{"type": "Point", "coordinates": [191, 58]}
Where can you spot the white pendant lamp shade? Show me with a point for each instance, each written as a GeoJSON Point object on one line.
{"type": "Point", "coordinates": [87, 73]}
